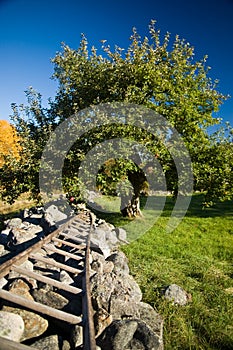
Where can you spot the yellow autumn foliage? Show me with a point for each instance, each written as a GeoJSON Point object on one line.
{"type": "Point", "coordinates": [8, 141]}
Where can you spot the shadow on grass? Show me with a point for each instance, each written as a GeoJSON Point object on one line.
{"type": "Point", "coordinates": [195, 209]}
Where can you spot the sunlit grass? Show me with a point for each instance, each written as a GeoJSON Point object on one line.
{"type": "Point", "coordinates": [198, 256]}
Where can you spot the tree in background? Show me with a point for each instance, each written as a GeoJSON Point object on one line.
{"type": "Point", "coordinates": [33, 126]}
{"type": "Point", "coordinates": [152, 72]}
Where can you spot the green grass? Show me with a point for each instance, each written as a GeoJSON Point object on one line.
{"type": "Point", "coordinates": [198, 256]}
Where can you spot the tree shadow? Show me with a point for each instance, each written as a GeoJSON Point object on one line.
{"type": "Point", "coordinates": [195, 209]}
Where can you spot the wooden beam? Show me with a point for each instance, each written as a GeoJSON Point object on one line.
{"type": "Point", "coordinates": [44, 309]}
{"type": "Point", "coordinates": [54, 263]}
{"type": "Point", "coordinates": [62, 252]}
{"type": "Point", "coordinates": [47, 280]}
{"type": "Point", "coordinates": [7, 344]}
{"type": "Point", "coordinates": [69, 244]}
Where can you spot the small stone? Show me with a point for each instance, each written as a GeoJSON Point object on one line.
{"type": "Point", "coordinates": [66, 345]}
{"type": "Point", "coordinates": [27, 265]}
{"type": "Point", "coordinates": [65, 278]}
{"type": "Point", "coordinates": [121, 234]}
{"type": "Point", "coordinates": [176, 294]}
{"type": "Point", "coordinates": [21, 288]}
{"type": "Point", "coordinates": [76, 338]}
{"type": "Point", "coordinates": [13, 223]}
{"type": "Point", "coordinates": [50, 342]}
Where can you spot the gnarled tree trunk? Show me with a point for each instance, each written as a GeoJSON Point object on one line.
{"type": "Point", "coordinates": [130, 207]}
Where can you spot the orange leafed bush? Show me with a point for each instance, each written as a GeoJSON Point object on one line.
{"type": "Point", "coordinates": [8, 141]}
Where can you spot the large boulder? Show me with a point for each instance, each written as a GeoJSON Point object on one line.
{"type": "Point", "coordinates": [128, 334]}
{"type": "Point", "coordinates": [11, 326]}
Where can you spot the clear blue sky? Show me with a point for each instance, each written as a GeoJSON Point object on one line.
{"type": "Point", "coordinates": [31, 33]}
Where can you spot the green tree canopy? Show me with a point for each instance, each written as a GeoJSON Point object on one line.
{"type": "Point", "coordinates": [151, 72]}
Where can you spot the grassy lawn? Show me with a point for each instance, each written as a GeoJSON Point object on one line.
{"type": "Point", "coordinates": [198, 256]}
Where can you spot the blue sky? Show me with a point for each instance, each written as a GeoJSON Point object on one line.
{"type": "Point", "coordinates": [31, 33]}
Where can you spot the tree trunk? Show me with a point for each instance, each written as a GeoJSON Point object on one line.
{"type": "Point", "coordinates": [130, 207]}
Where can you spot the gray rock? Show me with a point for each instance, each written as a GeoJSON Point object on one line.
{"type": "Point", "coordinates": [120, 262]}
{"type": "Point", "coordinates": [115, 287]}
{"type": "Point", "coordinates": [50, 298]}
{"type": "Point", "coordinates": [65, 277]}
{"type": "Point", "coordinates": [99, 264]}
{"type": "Point", "coordinates": [111, 238]}
{"type": "Point", "coordinates": [118, 335]}
{"type": "Point", "coordinates": [20, 287]}
{"type": "Point", "coordinates": [54, 216]}
{"type": "Point", "coordinates": [126, 289]}
{"type": "Point", "coordinates": [99, 235]}
{"type": "Point", "coordinates": [102, 287]}
{"type": "Point", "coordinates": [108, 267]}
{"type": "Point", "coordinates": [105, 226]}
{"type": "Point", "coordinates": [96, 257]}
{"type": "Point", "coordinates": [13, 223]}
{"type": "Point", "coordinates": [27, 265]}
{"type": "Point", "coordinates": [176, 294]}
{"type": "Point", "coordinates": [11, 326]}
{"type": "Point", "coordinates": [121, 234]}
{"type": "Point", "coordinates": [142, 311]}
{"type": "Point", "coordinates": [128, 334]}
{"type": "Point", "coordinates": [76, 337]}
{"type": "Point", "coordinates": [23, 234]}
{"type": "Point", "coordinates": [99, 243]}
{"type": "Point", "coordinates": [50, 342]}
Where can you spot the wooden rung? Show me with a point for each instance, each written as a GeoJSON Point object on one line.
{"type": "Point", "coordinates": [7, 344]}
{"type": "Point", "coordinates": [47, 280]}
{"type": "Point", "coordinates": [62, 252]}
{"type": "Point", "coordinates": [41, 308]}
{"type": "Point", "coordinates": [74, 238]}
{"type": "Point", "coordinates": [54, 263]}
{"type": "Point", "coordinates": [69, 244]}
